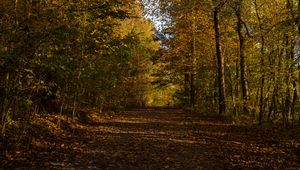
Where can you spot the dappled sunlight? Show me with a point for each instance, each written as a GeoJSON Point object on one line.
{"type": "Point", "coordinates": [114, 130]}
{"type": "Point", "coordinates": [184, 141]}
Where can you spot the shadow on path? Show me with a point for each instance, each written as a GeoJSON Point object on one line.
{"type": "Point", "coordinates": [163, 138]}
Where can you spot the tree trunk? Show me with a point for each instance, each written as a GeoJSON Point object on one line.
{"type": "Point", "coordinates": [242, 55]}
{"type": "Point", "coordinates": [262, 84]}
{"type": "Point", "coordinates": [295, 97]}
{"type": "Point", "coordinates": [221, 69]}
{"type": "Point", "coordinates": [292, 98]}
{"type": "Point", "coordinates": [236, 89]}
{"type": "Point", "coordinates": [186, 87]}
{"type": "Point", "coordinates": [262, 65]}
{"type": "Point", "coordinates": [192, 87]}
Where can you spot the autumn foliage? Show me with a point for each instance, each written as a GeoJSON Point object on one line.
{"type": "Point", "coordinates": [149, 84]}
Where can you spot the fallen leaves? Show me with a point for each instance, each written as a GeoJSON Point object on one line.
{"type": "Point", "coordinates": [152, 139]}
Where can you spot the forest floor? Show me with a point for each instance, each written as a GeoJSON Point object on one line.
{"type": "Point", "coordinates": [153, 138]}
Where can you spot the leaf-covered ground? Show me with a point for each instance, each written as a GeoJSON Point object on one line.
{"type": "Point", "coordinates": [153, 138]}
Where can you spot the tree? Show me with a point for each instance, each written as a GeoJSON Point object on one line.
{"type": "Point", "coordinates": [259, 40]}
{"type": "Point", "coordinates": [221, 68]}
{"type": "Point", "coordinates": [240, 25]}
{"type": "Point", "coordinates": [57, 56]}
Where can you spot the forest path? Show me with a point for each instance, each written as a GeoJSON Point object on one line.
{"type": "Point", "coordinates": [161, 138]}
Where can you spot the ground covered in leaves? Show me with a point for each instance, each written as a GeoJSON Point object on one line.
{"type": "Point", "coordinates": [153, 138]}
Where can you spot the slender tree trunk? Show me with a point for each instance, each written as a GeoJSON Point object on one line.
{"type": "Point", "coordinates": [186, 87]}
{"type": "Point", "coordinates": [192, 87]}
{"type": "Point", "coordinates": [5, 106]}
{"type": "Point", "coordinates": [273, 108]}
{"type": "Point", "coordinates": [74, 105]}
{"type": "Point", "coordinates": [237, 70]}
{"type": "Point", "coordinates": [242, 55]}
{"type": "Point", "coordinates": [295, 97]}
{"type": "Point", "coordinates": [289, 67]}
{"type": "Point", "coordinates": [220, 59]}
{"type": "Point", "coordinates": [262, 84]}
{"type": "Point", "coordinates": [262, 65]}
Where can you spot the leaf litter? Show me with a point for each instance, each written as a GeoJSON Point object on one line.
{"type": "Point", "coordinates": [152, 138]}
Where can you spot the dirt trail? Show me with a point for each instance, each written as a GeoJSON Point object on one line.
{"type": "Point", "coordinates": [160, 138]}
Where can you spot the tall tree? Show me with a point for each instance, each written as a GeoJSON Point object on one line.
{"type": "Point", "coordinates": [242, 58]}
{"type": "Point", "coordinates": [217, 6]}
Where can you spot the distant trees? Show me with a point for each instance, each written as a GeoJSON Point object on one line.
{"type": "Point", "coordinates": [59, 55]}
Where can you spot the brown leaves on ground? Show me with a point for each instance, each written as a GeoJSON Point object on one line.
{"type": "Point", "coordinates": [151, 139]}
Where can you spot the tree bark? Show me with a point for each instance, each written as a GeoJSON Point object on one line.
{"type": "Point", "coordinates": [242, 55]}
{"type": "Point", "coordinates": [192, 92]}
{"type": "Point", "coordinates": [192, 87]}
{"type": "Point", "coordinates": [220, 59]}
{"type": "Point", "coordinates": [262, 65]}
